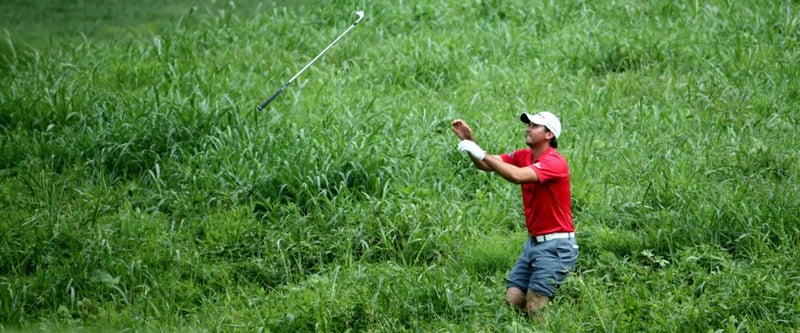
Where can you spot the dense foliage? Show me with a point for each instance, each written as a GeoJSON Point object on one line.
{"type": "Point", "coordinates": [139, 189]}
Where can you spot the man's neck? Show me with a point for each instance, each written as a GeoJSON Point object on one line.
{"type": "Point", "coordinates": [538, 150]}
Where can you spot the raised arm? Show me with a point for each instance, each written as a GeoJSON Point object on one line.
{"type": "Point", "coordinates": [463, 132]}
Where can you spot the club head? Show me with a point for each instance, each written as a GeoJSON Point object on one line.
{"type": "Point", "coordinates": [360, 14]}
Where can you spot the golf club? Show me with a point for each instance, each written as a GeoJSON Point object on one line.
{"type": "Point", "coordinates": [360, 14]}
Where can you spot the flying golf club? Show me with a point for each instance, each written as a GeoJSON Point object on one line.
{"type": "Point", "coordinates": [360, 15]}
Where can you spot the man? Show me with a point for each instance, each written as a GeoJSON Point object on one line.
{"type": "Point", "coordinates": [551, 250]}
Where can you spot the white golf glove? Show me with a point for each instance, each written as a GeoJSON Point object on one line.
{"type": "Point", "coordinates": [472, 148]}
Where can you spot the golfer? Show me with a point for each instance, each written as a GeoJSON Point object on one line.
{"type": "Point", "coordinates": [551, 250]}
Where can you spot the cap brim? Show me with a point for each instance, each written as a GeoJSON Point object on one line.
{"type": "Point", "coordinates": [531, 118]}
{"type": "Point", "coordinates": [525, 118]}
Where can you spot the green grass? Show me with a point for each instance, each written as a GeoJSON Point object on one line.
{"type": "Point", "coordinates": [140, 190]}
{"type": "Point", "coordinates": [44, 24]}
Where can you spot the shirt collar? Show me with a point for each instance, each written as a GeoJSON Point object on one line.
{"type": "Point", "coordinates": [548, 151]}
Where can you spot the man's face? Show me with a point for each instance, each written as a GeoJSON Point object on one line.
{"type": "Point", "coordinates": [536, 134]}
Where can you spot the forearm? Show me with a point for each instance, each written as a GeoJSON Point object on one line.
{"type": "Point", "coordinates": [475, 153]}
{"type": "Point", "coordinates": [480, 164]}
{"type": "Point", "coordinates": [508, 171]}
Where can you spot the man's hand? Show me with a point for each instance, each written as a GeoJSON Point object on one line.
{"type": "Point", "coordinates": [461, 130]}
{"type": "Point", "coordinates": [472, 148]}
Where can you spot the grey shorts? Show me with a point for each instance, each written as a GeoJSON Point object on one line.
{"type": "Point", "coordinates": [542, 267]}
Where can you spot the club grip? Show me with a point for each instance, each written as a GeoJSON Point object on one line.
{"type": "Point", "coordinates": [266, 102]}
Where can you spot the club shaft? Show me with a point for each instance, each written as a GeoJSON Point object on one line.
{"type": "Point", "coordinates": [321, 53]}
{"type": "Point", "coordinates": [283, 87]}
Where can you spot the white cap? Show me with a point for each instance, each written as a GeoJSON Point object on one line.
{"type": "Point", "coordinates": [545, 119]}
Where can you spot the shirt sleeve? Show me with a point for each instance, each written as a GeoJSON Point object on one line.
{"type": "Point", "coordinates": [513, 158]}
{"type": "Point", "coordinates": [508, 158]}
{"type": "Point", "coordinates": [550, 167]}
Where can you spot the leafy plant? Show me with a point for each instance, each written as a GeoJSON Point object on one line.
{"type": "Point", "coordinates": [140, 190]}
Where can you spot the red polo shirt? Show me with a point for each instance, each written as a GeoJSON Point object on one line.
{"type": "Point", "coordinates": [547, 203]}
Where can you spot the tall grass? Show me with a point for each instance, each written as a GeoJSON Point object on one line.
{"type": "Point", "coordinates": [140, 189]}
